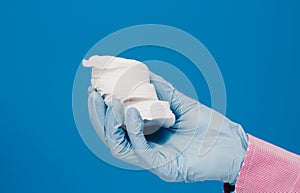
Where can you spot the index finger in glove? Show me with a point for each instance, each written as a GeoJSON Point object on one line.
{"type": "Point", "coordinates": [119, 145]}
{"type": "Point", "coordinates": [97, 109]}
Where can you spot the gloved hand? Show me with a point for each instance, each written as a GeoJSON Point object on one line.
{"type": "Point", "coordinates": [201, 145]}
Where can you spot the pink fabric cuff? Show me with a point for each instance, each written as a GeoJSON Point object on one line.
{"type": "Point", "coordinates": [268, 168]}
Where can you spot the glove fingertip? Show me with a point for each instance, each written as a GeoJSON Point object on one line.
{"type": "Point", "coordinates": [134, 121]}
{"type": "Point", "coordinates": [115, 112]}
{"type": "Point", "coordinates": [95, 101]}
{"type": "Point", "coordinates": [93, 93]}
{"type": "Point", "coordinates": [133, 113]}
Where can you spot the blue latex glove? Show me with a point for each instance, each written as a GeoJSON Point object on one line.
{"type": "Point", "coordinates": [201, 145]}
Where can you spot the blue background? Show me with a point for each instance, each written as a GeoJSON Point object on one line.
{"type": "Point", "coordinates": [255, 43]}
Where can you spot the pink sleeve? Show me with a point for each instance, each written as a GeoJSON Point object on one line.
{"type": "Point", "coordinates": [268, 168]}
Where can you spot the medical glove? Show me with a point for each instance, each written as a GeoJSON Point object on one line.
{"type": "Point", "coordinates": [201, 145]}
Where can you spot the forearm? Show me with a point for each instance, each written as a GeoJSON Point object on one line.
{"type": "Point", "coordinates": [268, 168]}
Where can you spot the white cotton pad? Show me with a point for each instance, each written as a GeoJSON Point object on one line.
{"type": "Point", "coordinates": [128, 80]}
